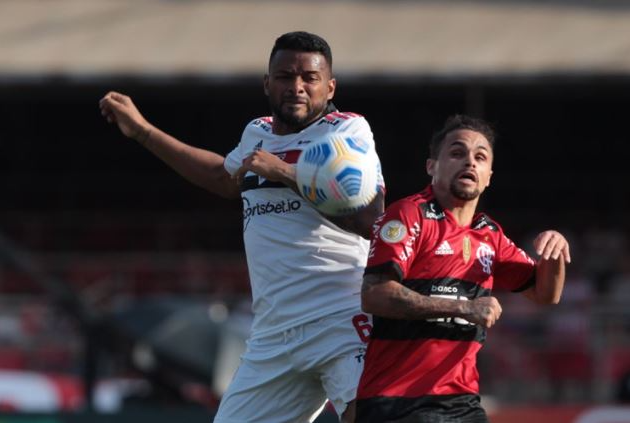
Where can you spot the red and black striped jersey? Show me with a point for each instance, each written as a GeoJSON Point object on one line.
{"type": "Point", "coordinates": [431, 254]}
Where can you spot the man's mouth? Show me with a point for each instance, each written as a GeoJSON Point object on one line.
{"type": "Point", "coordinates": [294, 101]}
{"type": "Point", "coordinates": [467, 176]}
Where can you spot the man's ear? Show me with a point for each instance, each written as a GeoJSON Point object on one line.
{"type": "Point", "coordinates": [489, 178]}
{"type": "Point", "coordinates": [266, 84]}
{"type": "Point", "coordinates": [431, 167]}
{"type": "Point", "coordinates": [332, 85]}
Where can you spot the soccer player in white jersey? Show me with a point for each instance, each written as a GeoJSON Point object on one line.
{"type": "Point", "coordinates": [308, 335]}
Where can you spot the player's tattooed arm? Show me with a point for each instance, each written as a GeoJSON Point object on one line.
{"type": "Point", "coordinates": [382, 295]}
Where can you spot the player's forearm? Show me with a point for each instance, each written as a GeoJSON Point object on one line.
{"type": "Point", "coordinates": [201, 167]}
{"type": "Point", "coordinates": [391, 299]}
{"type": "Point", "coordinates": [361, 223]}
{"type": "Point", "coordinates": [286, 175]}
{"type": "Point", "coordinates": [550, 276]}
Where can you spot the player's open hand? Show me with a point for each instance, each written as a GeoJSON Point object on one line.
{"type": "Point", "coordinates": [552, 245]}
{"type": "Point", "coordinates": [119, 109]}
{"type": "Point", "coordinates": [267, 165]}
{"type": "Point", "coordinates": [483, 311]}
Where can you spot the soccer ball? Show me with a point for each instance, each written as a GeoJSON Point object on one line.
{"type": "Point", "coordinates": [338, 174]}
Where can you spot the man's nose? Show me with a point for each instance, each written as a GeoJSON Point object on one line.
{"type": "Point", "coordinates": [298, 85]}
{"type": "Point", "coordinates": [470, 160]}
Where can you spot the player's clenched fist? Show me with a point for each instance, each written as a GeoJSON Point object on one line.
{"type": "Point", "coordinates": [119, 109]}
{"type": "Point", "coordinates": [484, 311]}
{"type": "Point", "coordinates": [267, 165]}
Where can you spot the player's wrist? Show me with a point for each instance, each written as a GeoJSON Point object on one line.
{"type": "Point", "coordinates": [463, 308]}
{"type": "Point", "coordinates": [288, 173]}
{"type": "Point", "coordinates": [143, 135]}
{"type": "Point", "coordinates": [285, 173]}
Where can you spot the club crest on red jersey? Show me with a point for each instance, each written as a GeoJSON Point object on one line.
{"type": "Point", "coordinates": [485, 256]}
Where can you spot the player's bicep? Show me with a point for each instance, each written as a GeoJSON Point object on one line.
{"type": "Point", "coordinates": [223, 183]}
{"type": "Point", "coordinates": [375, 280]}
{"type": "Point", "coordinates": [515, 271]}
{"type": "Point", "coordinates": [227, 175]}
{"type": "Point", "coordinates": [530, 293]}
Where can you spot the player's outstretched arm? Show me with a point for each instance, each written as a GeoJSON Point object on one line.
{"type": "Point", "coordinates": [382, 295]}
{"type": "Point", "coordinates": [553, 249]}
{"type": "Point", "coordinates": [201, 167]}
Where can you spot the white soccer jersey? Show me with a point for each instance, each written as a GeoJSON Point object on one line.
{"type": "Point", "coordinates": [302, 267]}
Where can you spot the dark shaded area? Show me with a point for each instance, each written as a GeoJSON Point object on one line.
{"type": "Point", "coordinates": [71, 182]}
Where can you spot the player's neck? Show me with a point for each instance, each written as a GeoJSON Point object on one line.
{"type": "Point", "coordinates": [463, 211]}
{"type": "Point", "coordinates": [283, 129]}
{"type": "Point", "coordinates": [278, 127]}
{"type": "Point", "coordinates": [464, 214]}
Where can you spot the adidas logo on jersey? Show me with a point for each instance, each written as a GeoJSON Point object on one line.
{"type": "Point", "coordinates": [444, 249]}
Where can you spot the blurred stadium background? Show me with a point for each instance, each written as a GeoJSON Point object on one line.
{"type": "Point", "coordinates": [124, 292]}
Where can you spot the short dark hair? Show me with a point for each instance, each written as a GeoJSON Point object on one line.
{"type": "Point", "coordinates": [302, 41]}
{"type": "Point", "coordinates": [456, 122]}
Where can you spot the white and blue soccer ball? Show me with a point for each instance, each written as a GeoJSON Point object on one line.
{"type": "Point", "coordinates": [338, 174]}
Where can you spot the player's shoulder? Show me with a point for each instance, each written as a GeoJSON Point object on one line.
{"type": "Point", "coordinates": [343, 116]}
{"type": "Point", "coordinates": [422, 203]}
{"type": "Point", "coordinates": [338, 119]}
{"type": "Point", "coordinates": [491, 230]}
{"type": "Point", "coordinates": [260, 124]}
{"type": "Point", "coordinates": [483, 222]}
{"type": "Point", "coordinates": [428, 206]}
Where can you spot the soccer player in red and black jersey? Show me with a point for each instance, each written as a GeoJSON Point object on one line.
{"type": "Point", "coordinates": [432, 266]}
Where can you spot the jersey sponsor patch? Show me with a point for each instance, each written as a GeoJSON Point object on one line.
{"type": "Point", "coordinates": [444, 249]}
{"type": "Point", "coordinates": [259, 209]}
{"type": "Point", "coordinates": [393, 231]}
{"type": "Point", "coordinates": [432, 210]}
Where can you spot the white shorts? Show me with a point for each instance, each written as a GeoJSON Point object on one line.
{"type": "Point", "coordinates": [288, 377]}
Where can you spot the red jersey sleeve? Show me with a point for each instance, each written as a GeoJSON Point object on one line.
{"type": "Point", "coordinates": [515, 269]}
{"type": "Point", "coordinates": [394, 239]}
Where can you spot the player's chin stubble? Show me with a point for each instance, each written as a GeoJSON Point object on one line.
{"type": "Point", "coordinates": [293, 119]}
{"type": "Point", "coordinates": [462, 194]}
